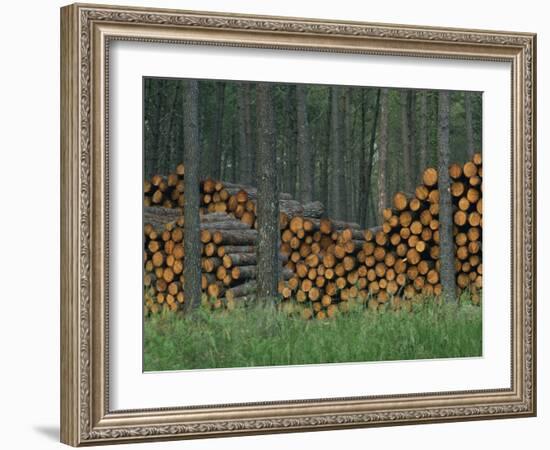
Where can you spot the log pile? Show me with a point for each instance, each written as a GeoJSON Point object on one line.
{"type": "Point", "coordinates": [326, 263]}
{"type": "Point", "coordinates": [395, 264]}
{"type": "Point", "coordinates": [220, 197]}
{"type": "Point", "coordinates": [228, 262]}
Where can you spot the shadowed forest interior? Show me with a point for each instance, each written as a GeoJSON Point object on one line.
{"type": "Point", "coordinates": [351, 148]}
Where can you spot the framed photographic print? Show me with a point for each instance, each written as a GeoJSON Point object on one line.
{"type": "Point", "coordinates": [275, 225]}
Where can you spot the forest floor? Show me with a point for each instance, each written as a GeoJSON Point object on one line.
{"type": "Point", "coordinates": [264, 336]}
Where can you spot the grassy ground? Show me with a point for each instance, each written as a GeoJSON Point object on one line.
{"type": "Point", "coordinates": [265, 337]}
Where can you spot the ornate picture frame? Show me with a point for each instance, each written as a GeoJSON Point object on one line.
{"type": "Point", "coordinates": [86, 34]}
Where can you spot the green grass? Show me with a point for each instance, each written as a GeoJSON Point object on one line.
{"type": "Point", "coordinates": [263, 336]}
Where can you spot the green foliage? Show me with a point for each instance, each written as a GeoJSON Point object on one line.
{"type": "Point", "coordinates": [264, 336]}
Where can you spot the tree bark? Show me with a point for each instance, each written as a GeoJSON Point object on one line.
{"type": "Point", "coordinates": [244, 172]}
{"type": "Point", "coordinates": [406, 141]}
{"type": "Point", "coordinates": [366, 174]}
{"type": "Point", "coordinates": [336, 154]}
{"type": "Point", "coordinates": [383, 151]}
{"type": "Point", "coordinates": [289, 174]}
{"type": "Point", "coordinates": [191, 159]}
{"type": "Point", "coordinates": [423, 138]}
{"type": "Point", "coordinates": [412, 138]}
{"type": "Point", "coordinates": [445, 205]}
{"type": "Point", "coordinates": [251, 135]}
{"type": "Point", "coordinates": [268, 203]}
{"type": "Point", "coordinates": [324, 172]}
{"type": "Point", "coordinates": [469, 126]}
{"type": "Point", "coordinates": [216, 142]}
{"type": "Point", "coordinates": [155, 126]}
{"type": "Point", "coordinates": [305, 166]}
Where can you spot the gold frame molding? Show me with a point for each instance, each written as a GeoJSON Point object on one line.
{"type": "Point", "coordinates": [86, 31]}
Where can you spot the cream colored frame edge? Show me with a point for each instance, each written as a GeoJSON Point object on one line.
{"type": "Point", "coordinates": [85, 34]}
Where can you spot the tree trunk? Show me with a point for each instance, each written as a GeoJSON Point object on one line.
{"type": "Point", "coordinates": [423, 129]}
{"type": "Point", "coordinates": [155, 127]}
{"type": "Point", "coordinates": [324, 181]}
{"type": "Point", "coordinates": [216, 142]}
{"type": "Point", "coordinates": [383, 151]}
{"type": "Point", "coordinates": [250, 130]}
{"type": "Point", "coordinates": [336, 155]}
{"type": "Point", "coordinates": [268, 203]}
{"type": "Point", "coordinates": [469, 126]}
{"type": "Point", "coordinates": [191, 160]}
{"type": "Point", "coordinates": [244, 172]}
{"type": "Point", "coordinates": [347, 150]}
{"type": "Point", "coordinates": [289, 173]}
{"type": "Point", "coordinates": [412, 138]}
{"type": "Point", "coordinates": [305, 166]}
{"type": "Point", "coordinates": [368, 170]}
{"type": "Point", "coordinates": [445, 205]}
{"type": "Point", "coordinates": [406, 141]}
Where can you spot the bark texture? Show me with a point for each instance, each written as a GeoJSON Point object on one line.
{"type": "Point", "coordinates": [305, 163]}
{"type": "Point", "coordinates": [383, 151]}
{"type": "Point", "coordinates": [191, 159]}
{"type": "Point", "coordinates": [268, 204]}
{"type": "Point", "coordinates": [469, 129]}
{"type": "Point", "coordinates": [337, 176]}
{"type": "Point", "coordinates": [445, 205]}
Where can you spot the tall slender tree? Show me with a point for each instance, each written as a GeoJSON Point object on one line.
{"type": "Point", "coordinates": [326, 146]}
{"type": "Point", "coordinates": [468, 121]}
{"type": "Point", "coordinates": [305, 163]}
{"type": "Point", "coordinates": [268, 197]}
{"type": "Point", "coordinates": [383, 150]}
{"type": "Point", "coordinates": [337, 174]}
{"type": "Point", "coordinates": [406, 140]}
{"type": "Point", "coordinates": [347, 150]}
{"type": "Point", "coordinates": [445, 205]}
{"type": "Point", "coordinates": [216, 138]}
{"type": "Point", "coordinates": [245, 172]}
{"type": "Point", "coordinates": [290, 139]}
{"type": "Point", "coordinates": [412, 138]}
{"type": "Point", "coordinates": [250, 130]}
{"type": "Point", "coordinates": [155, 124]}
{"type": "Point", "coordinates": [423, 134]}
{"type": "Point", "coordinates": [368, 152]}
{"type": "Point", "coordinates": [174, 154]}
{"type": "Point", "coordinates": [191, 158]}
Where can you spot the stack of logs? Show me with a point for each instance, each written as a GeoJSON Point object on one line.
{"type": "Point", "coordinates": [228, 238]}
{"type": "Point", "coordinates": [326, 264]}
{"type": "Point", "coordinates": [391, 265]}
{"type": "Point", "coordinates": [228, 262]}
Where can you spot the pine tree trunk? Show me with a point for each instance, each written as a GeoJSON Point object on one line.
{"type": "Point", "coordinates": [406, 141]}
{"type": "Point", "coordinates": [191, 159]}
{"type": "Point", "coordinates": [305, 169]}
{"type": "Point", "coordinates": [290, 139]}
{"type": "Point", "coordinates": [336, 155]}
{"type": "Point", "coordinates": [445, 206]}
{"type": "Point", "coordinates": [347, 150]}
{"type": "Point", "coordinates": [268, 196]}
{"type": "Point", "coordinates": [366, 168]}
{"type": "Point", "coordinates": [155, 127]}
{"type": "Point", "coordinates": [324, 181]}
{"type": "Point", "coordinates": [412, 138]}
{"type": "Point", "coordinates": [423, 150]}
{"type": "Point", "coordinates": [244, 127]}
{"type": "Point", "coordinates": [363, 193]}
{"type": "Point", "coordinates": [216, 142]}
{"type": "Point", "coordinates": [468, 120]}
{"type": "Point", "coordinates": [383, 151]}
{"type": "Point", "coordinates": [250, 130]}
{"type": "Point", "coordinates": [174, 156]}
